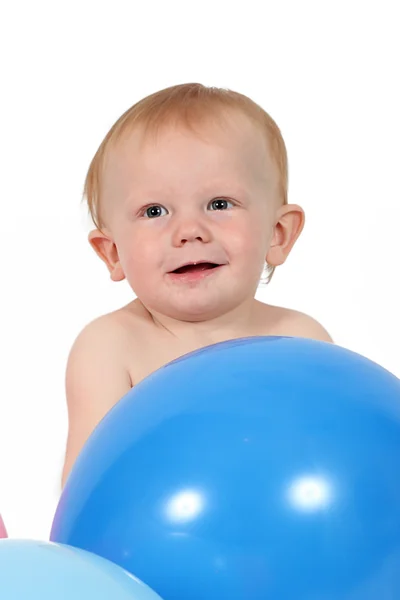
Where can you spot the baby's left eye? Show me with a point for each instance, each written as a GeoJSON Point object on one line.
{"type": "Point", "coordinates": [220, 204]}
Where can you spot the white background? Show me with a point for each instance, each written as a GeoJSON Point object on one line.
{"type": "Point", "coordinates": [327, 72]}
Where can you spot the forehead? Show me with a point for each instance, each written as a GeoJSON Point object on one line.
{"type": "Point", "coordinates": [231, 145]}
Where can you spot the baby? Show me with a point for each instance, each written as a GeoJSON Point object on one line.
{"type": "Point", "coordinates": [188, 194]}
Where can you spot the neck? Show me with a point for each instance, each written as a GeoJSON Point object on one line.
{"type": "Point", "coordinates": [239, 322]}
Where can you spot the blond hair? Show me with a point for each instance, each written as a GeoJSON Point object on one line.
{"type": "Point", "coordinates": [188, 103]}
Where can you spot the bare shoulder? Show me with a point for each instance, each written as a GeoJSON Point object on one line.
{"type": "Point", "coordinates": [99, 333]}
{"type": "Point", "coordinates": [97, 377]}
{"type": "Point", "coordinates": [297, 324]}
{"type": "Point", "coordinates": [98, 360]}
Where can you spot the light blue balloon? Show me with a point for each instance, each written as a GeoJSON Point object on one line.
{"type": "Point", "coordinates": [32, 570]}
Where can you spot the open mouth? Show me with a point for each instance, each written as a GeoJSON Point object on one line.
{"type": "Point", "coordinates": [196, 267]}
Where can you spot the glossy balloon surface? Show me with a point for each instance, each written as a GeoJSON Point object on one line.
{"type": "Point", "coordinates": [261, 468]}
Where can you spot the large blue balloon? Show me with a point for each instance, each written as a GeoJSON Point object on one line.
{"type": "Point", "coordinates": [31, 570]}
{"type": "Point", "coordinates": [258, 469]}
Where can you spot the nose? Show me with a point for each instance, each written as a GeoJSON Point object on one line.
{"type": "Point", "coordinates": [190, 229]}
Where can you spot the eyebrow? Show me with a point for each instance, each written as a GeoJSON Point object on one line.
{"type": "Point", "coordinates": [210, 190]}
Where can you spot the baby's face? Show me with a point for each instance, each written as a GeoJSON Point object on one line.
{"type": "Point", "coordinates": [182, 199]}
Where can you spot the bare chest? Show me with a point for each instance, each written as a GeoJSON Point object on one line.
{"type": "Point", "coordinates": [151, 350]}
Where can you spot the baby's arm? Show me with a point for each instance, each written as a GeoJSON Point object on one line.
{"type": "Point", "coordinates": [96, 378]}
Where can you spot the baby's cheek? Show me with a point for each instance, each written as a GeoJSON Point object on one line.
{"type": "Point", "coordinates": [141, 259]}
{"type": "Point", "coordinates": [247, 237]}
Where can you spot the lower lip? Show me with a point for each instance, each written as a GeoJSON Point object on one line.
{"type": "Point", "coordinates": [190, 276]}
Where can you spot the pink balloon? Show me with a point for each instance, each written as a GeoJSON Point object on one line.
{"type": "Point", "coordinates": [3, 532]}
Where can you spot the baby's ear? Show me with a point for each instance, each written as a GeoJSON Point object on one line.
{"type": "Point", "coordinates": [288, 226]}
{"type": "Point", "coordinates": [105, 248]}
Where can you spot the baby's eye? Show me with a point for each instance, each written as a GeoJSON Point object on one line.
{"type": "Point", "coordinates": [153, 211]}
{"type": "Point", "coordinates": [220, 204]}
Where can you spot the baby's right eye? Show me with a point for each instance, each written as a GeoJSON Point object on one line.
{"type": "Point", "coordinates": [153, 211]}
